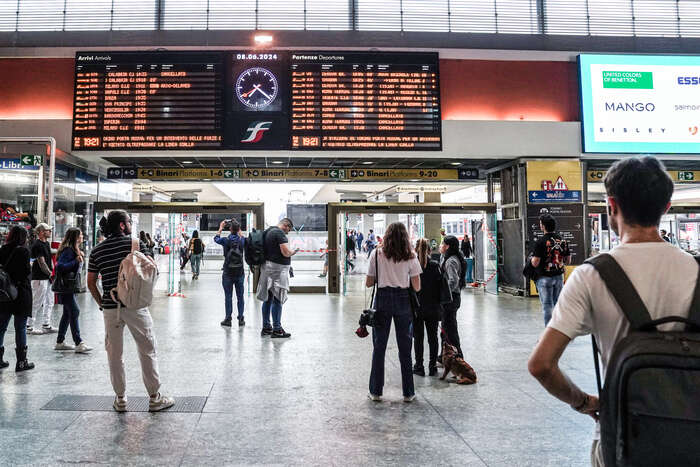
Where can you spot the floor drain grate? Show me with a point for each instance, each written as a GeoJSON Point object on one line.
{"type": "Point", "coordinates": [68, 403]}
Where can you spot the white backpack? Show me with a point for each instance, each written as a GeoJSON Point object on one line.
{"type": "Point", "coordinates": [137, 278]}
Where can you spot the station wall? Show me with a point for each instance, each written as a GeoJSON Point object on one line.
{"type": "Point", "coordinates": [490, 108]}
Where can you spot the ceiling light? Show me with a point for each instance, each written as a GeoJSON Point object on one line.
{"type": "Point", "coordinates": [278, 162]}
{"type": "Point", "coordinates": [186, 162]}
{"type": "Point", "coordinates": [368, 163]}
{"type": "Point", "coordinates": [455, 163]}
{"type": "Point", "coordinates": [262, 39]}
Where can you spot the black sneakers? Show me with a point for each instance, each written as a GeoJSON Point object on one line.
{"type": "Point", "coordinates": [241, 322]}
{"type": "Point", "coordinates": [280, 334]}
{"type": "Point", "coordinates": [226, 322]}
{"type": "Point", "coordinates": [266, 332]}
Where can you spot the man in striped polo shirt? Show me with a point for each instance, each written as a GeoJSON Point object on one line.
{"type": "Point", "coordinates": [105, 260]}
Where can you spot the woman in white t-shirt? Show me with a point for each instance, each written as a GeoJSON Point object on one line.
{"type": "Point", "coordinates": [395, 268]}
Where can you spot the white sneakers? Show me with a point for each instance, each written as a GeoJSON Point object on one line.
{"type": "Point", "coordinates": [34, 332]}
{"type": "Point", "coordinates": [155, 404]}
{"type": "Point", "coordinates": [48, 329]}
{"type": "Point", "coordinates": [119, 404]}
{"type": "Point", "coordinates": [83, 348]}
{"type": "Point", "coordinates": [160, 402]}
{"type": "Point", "coordinates": [375, 398]}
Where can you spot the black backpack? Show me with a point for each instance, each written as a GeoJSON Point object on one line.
{"type": "Point", "coordinates": [197, 247]}
{"type": "Point", "coordinates": [649, 405]}
{"type": "Point", "coordinates": [234, 258]}
{"type": "Point", "coordinates": [255, 248]}
{"type": "Point", "coordinates": [8, 289]}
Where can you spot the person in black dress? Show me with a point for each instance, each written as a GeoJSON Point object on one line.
{"type": "Point", "coordinates": [428, 316]}
{"type": "Point", "coordinates": [14, 256]}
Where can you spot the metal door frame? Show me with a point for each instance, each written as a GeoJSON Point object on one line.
{"type": "Point", "coordinates": [334, 209]}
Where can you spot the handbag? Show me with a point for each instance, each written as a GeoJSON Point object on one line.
{"type": "Point", "coordinates": [529, 271]}
{"type": "Point", "coordinates": [367, 317]}
{"type": "Point", "coordinates": [68, 282]}
{"type": "Point", "coordinates": [8, 289]}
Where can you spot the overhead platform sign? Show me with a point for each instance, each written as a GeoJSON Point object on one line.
{"type": "Point", "coordinates": [678, 176]}
{"type": "Point", "coordinates": [320, 174]}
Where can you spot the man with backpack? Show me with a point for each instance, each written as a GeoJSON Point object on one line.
{"type": "Point", "coordinates": [550, 257]}
{"type": "Point", "coordinates": [106, 260]}
{"type": "Point", "coordinates": [233, 271]}
{"type": "Point", "coordinates": [273, 285]}
{"type": "Point", "coordinates": [649, 407]}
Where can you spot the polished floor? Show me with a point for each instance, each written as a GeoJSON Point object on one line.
{"type": "Point", "coordinates": [300, 401]}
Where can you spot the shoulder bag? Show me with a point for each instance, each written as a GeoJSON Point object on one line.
{"type": "Point", "coordinates": [368, 314]}
{"type": "Point", "coordinates": [8, 289]}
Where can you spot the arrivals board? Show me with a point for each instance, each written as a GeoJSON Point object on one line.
{"type": "Point", "coordinates": [246, 100]}
{"type": "Point", "coordinates": [158, 101]}
{"type": "Point", "coordinates": [640, 103]}
{"type": "Point", "coordinates": [351, 100]}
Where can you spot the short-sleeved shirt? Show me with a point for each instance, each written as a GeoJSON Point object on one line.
{"type": "Point", "coordinates": [41, 250]}
{"type": "Point", "coordinates": [393, 274]}
{"type": "Point", "coordinates": [540, 251]}
{"type": "Point", "coordinates": [663, 275]}
{"type": "Point", "coordinates": [105, 260]}
{"type": "Point", "coordinates": [274, 237]}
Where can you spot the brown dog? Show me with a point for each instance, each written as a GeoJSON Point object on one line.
{"type": "Point", "coordinates": [464, 373]}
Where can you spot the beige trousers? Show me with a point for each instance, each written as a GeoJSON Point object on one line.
{"type": "Point", "coordinates": [597, 454]}
{"type": "Point", "coordinates": [140, 325]}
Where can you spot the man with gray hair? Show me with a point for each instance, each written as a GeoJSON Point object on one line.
{"type": "Point", "coordinates": [273, 285]}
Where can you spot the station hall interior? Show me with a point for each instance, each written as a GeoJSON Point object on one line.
{"type": "Point", "coordinates": [333, 120]}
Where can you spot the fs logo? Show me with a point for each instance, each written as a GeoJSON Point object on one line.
{"type": "Point", "coordinates": [255, 131]}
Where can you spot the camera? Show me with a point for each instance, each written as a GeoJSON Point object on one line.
{"type": "Point", "coordinates": [227, 224]}
{"type": "Point", "coordinates": [367, 318]}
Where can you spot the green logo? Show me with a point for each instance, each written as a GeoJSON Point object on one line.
{"type": "Point", "coordinates": [628, 79]}
{"type": "Point", "coordinates": [686, 176]}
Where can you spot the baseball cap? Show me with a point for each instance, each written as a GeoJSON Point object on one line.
{"type": "Point", "coordinates": [43, 226]}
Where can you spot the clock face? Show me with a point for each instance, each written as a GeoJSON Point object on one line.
{"type": "Point", "coordinates": [256, 88]}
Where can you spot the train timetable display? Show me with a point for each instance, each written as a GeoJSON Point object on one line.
{"type": "Point", "coordinates": [365, 101]}
{"type": "Point", "coordinates": [148, 101]}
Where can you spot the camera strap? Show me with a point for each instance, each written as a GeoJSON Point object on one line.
{"type": "Point", "coordinates": [376, 278]}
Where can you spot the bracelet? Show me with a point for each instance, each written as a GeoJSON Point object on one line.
{"type": "Point", "coordinates": [582, 405]}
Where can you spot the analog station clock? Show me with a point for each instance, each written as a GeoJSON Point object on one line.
{"type": "Point", "coordinates": [256, 88]}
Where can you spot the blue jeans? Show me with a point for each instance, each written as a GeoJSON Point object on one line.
{"type": "Point", "coordinates": [392, 303]}
{"type": "Point", "coordinates": [20, 329]}
{"type": "Point", "coordinates": [549, 289]}
{"type": "Point", "coordinates": [470, 270]}
{"type": "Point", "coordinates": [70, 316]}
{"type": "Point", "coordinates": [272, 307]}
{"type": "Point", "coordinates": [195, 260]}
{"type": "Point", "coordinates": [228, 281]}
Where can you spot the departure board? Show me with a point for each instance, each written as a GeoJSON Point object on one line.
{"type": "Point", "coordinates": [154, 101]}
{"type": "Point", "coordinates": [252, 100]}
{"type": "Point", "coordinates": [365, 101]}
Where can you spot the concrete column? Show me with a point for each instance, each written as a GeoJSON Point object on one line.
{"type": "Point", "coordinates": [391, 218]}
{"type": "Point", "coordinates": [433, 222]}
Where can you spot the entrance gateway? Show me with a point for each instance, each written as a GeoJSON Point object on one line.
{"type": "Point", "coordinates": [336, 226]}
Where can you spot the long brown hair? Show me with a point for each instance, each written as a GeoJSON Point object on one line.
{"type": "Point", "coordinates": [422, 250]}
{"type": "Point", "coordinates": [396, 245]}
{"type": "Point", "coordinates": [70, 240]}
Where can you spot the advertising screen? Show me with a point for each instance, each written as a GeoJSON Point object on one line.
{"type": "Point", "coordinates": [640, 103]}
{"type": "Point", "coordinates": [308, 217]}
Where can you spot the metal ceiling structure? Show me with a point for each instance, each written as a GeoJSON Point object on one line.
{"type": "Point", "coordinates": [301, 162]}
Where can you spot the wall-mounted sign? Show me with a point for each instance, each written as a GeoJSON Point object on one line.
{"type": "Point", "coordinates": [678, 176]}
{"type": "Point", "coordinates": [555, 181]}
{"type": "Point", "coordinates": [331, 174]}
{"type": "Point", "coordinates": [17, 164]}
{"type": "Point", "coordinates": [570, 225]}
{"type": "Point", "coordinates": [640, 103]}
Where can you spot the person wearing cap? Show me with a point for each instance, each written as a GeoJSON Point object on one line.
{"type": "Point", "coordinates": [42, 269]}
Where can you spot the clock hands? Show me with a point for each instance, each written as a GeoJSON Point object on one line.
{"type": "Point", "coordinates": [256, 87]}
